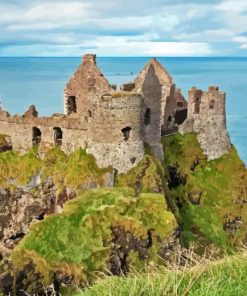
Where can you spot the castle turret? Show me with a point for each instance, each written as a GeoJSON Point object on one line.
{"type": "Point", "coordinates": [207, 117]}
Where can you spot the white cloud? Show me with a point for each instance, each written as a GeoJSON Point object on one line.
{"type": "Point", "coordinates": [45, 15]}
{"type": "Point", "coordinates": [215, 36]}
{"type": "Point", "coordinates": [240, 39]}
{"type": "Point", "coordinates": [116, 46]}
{"type": "Point", "coordinates": [122, 27]}
{"type": "Point", "coordinates": [233, 6]}
{"type": "Point", "coordinates": [125, 46]}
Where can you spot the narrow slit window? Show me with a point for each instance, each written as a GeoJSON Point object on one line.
{"type": "Point", "coordinates": [211, 104]}
{"type": "Point", "coordinates": [197, 106]}
{"type": "Point", "coordinates": [147, 117]}
{"type": "Point", "coordinates": [126, 133]}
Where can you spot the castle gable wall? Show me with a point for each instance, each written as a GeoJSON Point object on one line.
{"type": "Point", "coordinates": [85, 87]}
{"type": "Point", "coordinates": [168, 101]}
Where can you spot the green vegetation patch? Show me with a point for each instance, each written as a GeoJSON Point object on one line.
{"type": "Point", "coordinates": [148, 176]}
{"type": "Point", "coordinates": [80, 238]}
{"type": "Point", "coordinates": [4, 140]}
{"type": "Point", "coordinates": [212, 202]}
{"type": "Point", "coordinates": [78, 170]}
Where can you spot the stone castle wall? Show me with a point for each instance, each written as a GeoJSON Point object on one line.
{"type": "Point", "coordinates": [20, 129]}
{"type": "Point", "coordinates": [113, 133]}
{"type": "Point", "coordinates": [206, 117]}
{"type": "Point", "coordinates": [117, 131]}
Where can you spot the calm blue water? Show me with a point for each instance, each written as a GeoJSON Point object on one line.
{"type": "Point", "coordinates": [40, 81]}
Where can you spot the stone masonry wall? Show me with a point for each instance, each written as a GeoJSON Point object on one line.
{"type": "Point", "coordinates": [152, 93]}
{"type": "Point", "coordinates": [166, 84]}
{"type": "Point", "coordinates": [168, 101]}
{"type": "Point", "coordinates": [116, 131]}
{"type": "Point", "coordinates": [86, 85]}
{"type": "Point", "coordinates": [206, 117]}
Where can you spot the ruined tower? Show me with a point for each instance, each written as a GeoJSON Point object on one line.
{"type": "Point", "coordinates": [207, 117]}
{"type": "Point", "coordinates": [85, 87]}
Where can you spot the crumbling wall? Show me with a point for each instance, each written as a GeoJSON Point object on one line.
{"type": "Point", "coordinates": [20, 130]}
{"type": "Point", "coordinates": [206, 117]}
{"type": "Point", "coordinates": [86, 86]}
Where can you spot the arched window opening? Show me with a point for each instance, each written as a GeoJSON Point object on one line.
{"type": "Point", "coordinates": [147, 117]}
{"type": "Point", "coordinates": [36, 136]}
{"type": "Point", "coordinates": [71, 105]}
{"type": "Point", "coordinates": [58, 136]}
{"type": "Point", "coordinates": [211, 104]}
{"type": "Point", "coordinates": [89, 113]}
{"type": "Point", "coordinates": [197, 106]}
{"type": "Point", "coordinates": [126, 133]}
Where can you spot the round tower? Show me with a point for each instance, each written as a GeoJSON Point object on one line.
{"type": "Point", "coordinates": [117, 133]}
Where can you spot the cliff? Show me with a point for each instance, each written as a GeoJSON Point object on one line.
{"type": "Point", "coordinates": [164, 207]}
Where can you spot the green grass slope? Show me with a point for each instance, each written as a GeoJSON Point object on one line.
{"type": "Point", "coordinates": [80, 241]}
{"type": "Point", "coordinates": [226, 277]}
{"type": "Point", "coordinates": [212, 202]}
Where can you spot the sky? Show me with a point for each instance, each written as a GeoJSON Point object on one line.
{"type": "Point", "coordinates": [123, 27]}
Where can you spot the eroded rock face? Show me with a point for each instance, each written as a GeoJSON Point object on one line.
{"type": "Point", "coordinates": [21, 207]}
{"type": "Point", "coordinates": [103, 229]}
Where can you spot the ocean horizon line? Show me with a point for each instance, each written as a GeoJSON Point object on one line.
{"type": "Point", "coordinates": [135, 57]}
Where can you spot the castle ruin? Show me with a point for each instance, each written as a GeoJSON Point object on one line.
{"type": "Point", "coordinates": [207, 117]}
{"type": "Point", "coordinates": [114, 125]}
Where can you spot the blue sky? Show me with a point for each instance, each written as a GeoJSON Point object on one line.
{"type": "Point", "coordinates": [123, 27]}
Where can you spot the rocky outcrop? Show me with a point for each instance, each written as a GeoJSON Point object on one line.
{"type": "Point", "coordinates": [21, 207]}
{"type": "Point", "coordinates": [32, 188]}
{"type": "Point", "coordinates": [103, 229]}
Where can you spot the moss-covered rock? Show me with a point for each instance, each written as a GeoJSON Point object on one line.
{"type": "Point", "coordinates": [77, 170]}
{"type": "Point", "coordinates": [213, 195]}
{"type": "Point", "coordinates": [149, 175]}
{"type": "Point", "coordinates": [96, 232]}
{"type": "Point", "coordinates": [34, 185]}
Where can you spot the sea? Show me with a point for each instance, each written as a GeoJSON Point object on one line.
{"type": "Point", "coordinates": [40, 81]}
